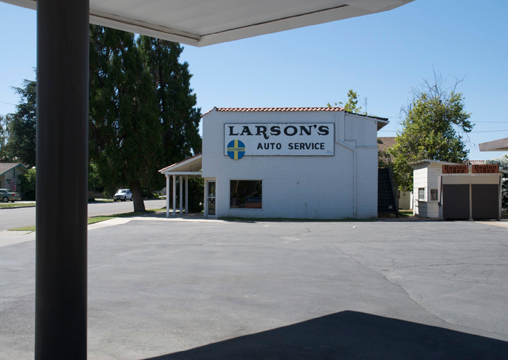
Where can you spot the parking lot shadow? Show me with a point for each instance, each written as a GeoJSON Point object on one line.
{"type": "Point", "coordinates": [351, 335]}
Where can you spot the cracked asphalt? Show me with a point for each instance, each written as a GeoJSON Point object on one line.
{"type": "Point", "coordinates": [163, 287]}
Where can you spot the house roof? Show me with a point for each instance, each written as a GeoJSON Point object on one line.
{"type": "Point", "coordinates": [205, 22]}
{"type": "Point", "coordinates": [384, 143]}
{"type": "Point", "coordinates": [6, 167]}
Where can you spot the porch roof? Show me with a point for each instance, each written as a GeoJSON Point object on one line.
{"type": "Point", "coordinates": [189, 166]}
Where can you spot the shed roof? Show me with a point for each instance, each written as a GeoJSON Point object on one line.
{"type": "Point", "coordinates": [420, 162]}
{"type": "Point", "coordinates": [205, 22]}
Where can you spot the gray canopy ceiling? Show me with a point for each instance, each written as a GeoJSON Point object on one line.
{"type": "Point", "coordinates": [206, 22]}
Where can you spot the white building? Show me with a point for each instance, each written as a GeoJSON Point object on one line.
{"type": "Point", "coordinates": [316, 163]}
{"type": "Point", "coordinates": [462, 193]}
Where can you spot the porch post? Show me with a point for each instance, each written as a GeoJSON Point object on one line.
{"type": "Point", "coordinates": [181, 194]}
{"type": "Point", "coordinates": [167, 195]}
{"type": "Point", "coordinates": [174, 195]}
{"type": "Point", "coordinates": [186, 194]}
{"type": "Point", "coordinates": [62, 164]}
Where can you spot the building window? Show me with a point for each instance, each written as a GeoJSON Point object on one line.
{"type": "Point", "coordinates": [433, 194]}
{"type": "Point", "coordinates": [421, 194]}
{"type": "Point", "coordinates": [246, 194]}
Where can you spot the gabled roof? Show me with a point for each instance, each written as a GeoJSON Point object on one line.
{"type": "Point", "coordinates": [6, 167]}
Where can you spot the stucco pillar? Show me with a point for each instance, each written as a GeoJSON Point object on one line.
{"type": "Point", "coordinates": [181, 194]}
{"type": "Point", "coordinates": [174, 195]}
{"type": "Point", "coordinates": [186, 194]}
{"type": "Point", "coordinates": [167, 195]}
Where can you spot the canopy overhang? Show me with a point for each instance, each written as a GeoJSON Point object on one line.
{"type": "Point", "coordinates": [205, 22]}
{"type": "Point", "coordinates": [496, 145]}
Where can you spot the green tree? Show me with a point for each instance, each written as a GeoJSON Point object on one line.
{"type": "Point", "coordinates": [28, 184]}
{"type": "Point", "coordinates": [4, 136]}
{"type": "Point", "coordinates": [22, 125]}
{"type": "Point", "coordinates": [351, 105]}
{"type": "Point", "coordinates": [176, 102]}
{"type": "Point", "coordinates": [125, 134]}
{"type": "Point", "coordinates": [430, 130]}
{"type": "Point", "coordinates": [503, 164]}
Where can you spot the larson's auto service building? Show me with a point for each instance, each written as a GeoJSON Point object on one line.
{"type": "Point", "coordinates": [318, 163]}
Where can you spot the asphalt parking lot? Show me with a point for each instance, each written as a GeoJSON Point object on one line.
{"type": "Point", "coordinates": [182, 289]}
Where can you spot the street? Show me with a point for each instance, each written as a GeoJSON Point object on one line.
{"type": "Point", "coordinates": [19, 217]}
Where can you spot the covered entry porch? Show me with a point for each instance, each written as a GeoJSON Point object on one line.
{"type": "Point", "coordinates": [179, 173]}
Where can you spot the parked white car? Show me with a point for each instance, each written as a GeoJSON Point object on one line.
{"type": "Point", "coordinates": [123, 195]}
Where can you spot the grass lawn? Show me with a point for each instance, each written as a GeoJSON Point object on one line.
{"type": "Point", "coordinates": [96, 219]}
{"type": "Point", "coordinates": [11, 205]}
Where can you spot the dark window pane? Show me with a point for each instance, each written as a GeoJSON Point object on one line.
{"type": "Point", "coordinates": [246, 194]}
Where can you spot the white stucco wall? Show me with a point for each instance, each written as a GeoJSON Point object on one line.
{"type": "Point", "coordinates": [298, 186]}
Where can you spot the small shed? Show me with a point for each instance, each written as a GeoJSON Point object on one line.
{"type": "Point", "coordinates": [456, 191]}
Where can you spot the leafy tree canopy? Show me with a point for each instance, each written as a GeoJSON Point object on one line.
{"type": "Point", "coordinates": [503, 164]}
{"type": "Point", "coordinates": [351, 104]}
{"type": "Point", "coordinates": [431, 129]}
{"type": "Point", "coordinates": [20, 144]}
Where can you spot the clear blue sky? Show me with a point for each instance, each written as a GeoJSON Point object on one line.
{"type": "Point", "coordinates": [380, 56]}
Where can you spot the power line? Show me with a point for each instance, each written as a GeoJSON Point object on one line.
{"type": "Point", "coordinates": [3, 102]}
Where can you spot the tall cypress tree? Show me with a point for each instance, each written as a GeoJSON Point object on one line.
{"type": "Point", "coordinates": [176, 102]}
{"type": "Point", "coordinates": [125, 134]}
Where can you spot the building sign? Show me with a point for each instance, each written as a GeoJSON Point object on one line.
{"type": "Point", "coordinates": [275, 139]}
{"type": "Point", "coordinates": [236, 149]}
{"type": "Point", "coordinates": [455, 169]}
{"type": "Point", "coordinates": [486, 169]}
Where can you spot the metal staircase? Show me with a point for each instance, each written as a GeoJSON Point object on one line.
{"type": "Point", "coordinates": [386, 193]}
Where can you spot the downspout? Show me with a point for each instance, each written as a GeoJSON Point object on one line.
{"type": "Point", "coordinates": [353, 149]}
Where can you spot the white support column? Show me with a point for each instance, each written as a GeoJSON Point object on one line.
{"type": "Point", "coordinates": [181, 195]}
{"type": "Point", "coordinates": [174, 195]}
{"type": "Point", "coordinates": [167, 195]}
{"type": "Point", "coordinates": [186, 194]}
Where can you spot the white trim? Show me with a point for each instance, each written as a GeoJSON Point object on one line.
{"type": "Point", "coordinates": [190, 173]}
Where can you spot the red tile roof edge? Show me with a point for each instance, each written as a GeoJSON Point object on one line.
{"type": "Point", "coordinates": [289, 109]}
{"type": "Point", "coordinates": [281, 109]}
